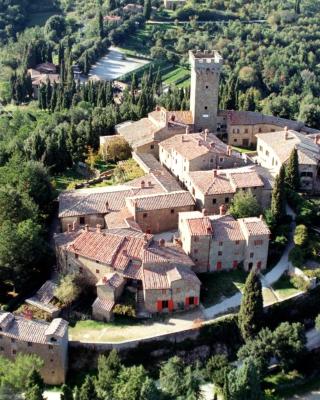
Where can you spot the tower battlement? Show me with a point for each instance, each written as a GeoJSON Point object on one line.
{"type": "Point", "coordinates": [204, 59]}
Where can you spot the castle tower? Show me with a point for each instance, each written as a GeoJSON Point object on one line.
{"type": "Point", "coordinates": [205, 71]}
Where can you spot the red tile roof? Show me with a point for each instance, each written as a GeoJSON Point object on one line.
{"type": "Point", "coordinates": [162, 201]}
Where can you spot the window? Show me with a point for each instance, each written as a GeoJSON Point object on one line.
{"type": "Point", "coordinates": [196, 239]}
{"type": "Point", "coordinates": [260, 148]}
{"type": "Point", "coordinates": [178, 290]}
{"type": "Point", "coordinates": [191, 301]}
{"type": "Point", "coordinates": [172, 211]}
{"type": "Point", "coordinates": [214, 201]}
{"type": "Point", "coordinates": [152, 146]}
{"type": "Point", "coordinates": [226, 200]}
{"type": "Point", "coordinates": [273, 130]}
{"type": "Point", "coordinates": [246, 130]}
{"type": "Point", "coordinates": [76, 255]}
{"type": "Point", "coordinates": [207, 86]}
{"type": "Point", "coordinates": [219, 253]}
{"type": "Point", "coordinates": [267, 153]}
{"type": "Point", "coordinates": [165, 303]}
{"type": "Point", "coordinates": [233, 130]}
{"type": "Point", "coordinates": [145, 215]}
{"type": "Point", "coordinates": [234, 264]}
{"type": "Point", "coordinates": [1, 349]}
{"type": "Point", "coordinates": [164, 291]}
{"type": "Point", "coordinates": [29, 344]}
{"type": "Point", "coordinates": [14, 351]}
{"type": "Point", "coordinates": [221, 159]}
{"type": "Point", "coordinates": [50, 347]}
{"type": "Point", "coordinates": [211, 159]}
{"type": "Point", "coordinates": [205, 107]}
{"type": "Point", "coordinates": [220, 243]}
{"type": "Point", "coordinates": [259, 264]}
{"type": "Point", "coordinates": [97, 271]}
{"type": "Point", "coordinates": [82, 220]}
{"type": "Point", "coordinates": [13, 340]}
{"type": "Point", "coordinates": [251, 255]}
{"type": "Point", "coordinates": [51, 359]}
{"type": "Point", "coordinates": [219, 265]}
{"type": "Point", "coordinates": [258, 242]}
{"type": "Point", "coordinates": [237, 241]}
{"type": "Point", "coordinates": [238, 130]}
{"type": "Point", "coordinates": [195, 251]}
{"type": "Point", "coordinates": [260, 130]}
{"type": "Point", "coordinates": [235, 140]}
{"type": "Point", "coordinates": [81, 270]}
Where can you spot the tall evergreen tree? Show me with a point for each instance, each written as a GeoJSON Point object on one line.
{"type": "Point", "coordinates": [66, 392]}
{"type": "Point", "coordinates": [147, 9]}
{"type": "Point", "coordinates": [100, 25]}
{"type": "Point", "coordinates": [88, 391]}
{"type": "Point", "coordinates": [251, 309]}
{"type": "Point", "coordinates": [292, 178]}
{"type": "Point", "coordinates": [108, 370]}
{"type": "Point", "coordinates": [278, 200]}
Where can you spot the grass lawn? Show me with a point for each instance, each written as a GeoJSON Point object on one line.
{"type": "Point", "coordinates": [217, 285]}
{"type": "Point", "coordinates": [268, 296]}
{"type": "Point", "coordinates": [129, 170]}
{"type": "Point", "coordinates": [63, 181]}
{"type": "Point", "coordinates": [243, 150]}
{"type": "Point", "coordinates": [176, 74]}
{"type": "Point", "coordinates": [284, 288]}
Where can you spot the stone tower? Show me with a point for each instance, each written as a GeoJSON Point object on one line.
{"type": "Point", "coordinates": [205, 71]}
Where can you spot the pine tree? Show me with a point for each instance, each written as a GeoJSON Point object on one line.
{"type": "Point", "coordinates": [278, 200]}
{"type": "Point", "coordinates": [149, 390]}
{"type": "Point", "coordinates": [292, 178]}
{"type": "Point", "coordinates": [66, 393]}
{"type": "Point", "coordinates": [108, 370]}
{"type": "Point", "coordinates": [251, 309]}
{"type": "Point", "coordinates": [147, 9]}
{"type": "Point", "coordinates": [35, 379]}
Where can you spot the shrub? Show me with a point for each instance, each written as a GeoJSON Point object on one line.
{"type": "Point", "coordinates": [300, 283]}
{"type": "Point", "coordinates": [124, 309]}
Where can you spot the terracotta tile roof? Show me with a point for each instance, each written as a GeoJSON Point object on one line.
{"type": "Point", "coordinates": [42, 78]}
{"type": "Point", "coordinates": [184, 117]}
{"type": "Point", "coordinates": [254, 118]}
{"type": "Point", "coordinates": [246, 179]}
{"type": "Point", "coordinates": [155, 279]}
{"type": "Point", "coordinates": [163, 276]}
{"type": "Point", "coordinates": [129, 250]}
{"type": "Point", "coordinates": [193, 145]}
{"type": "Point", "coordinates": [283, 143]}
{"type": "Point", "coordinates": [43, 297]}
{"type": "Point", "coordinates": [144, 129]}
{"type": "Point", "coordinates": [209, 184]}
{"type": "Point", "coordinates": [200, 226]}
{"type": "Point", "coordinates": [166, 254]}
{"type": "Point", "coordinates": [34, 331]}
{"type": "Point", "coordinates": [113, 280]}
{"type": "Point", "coordinates": [255, 226]}
{"type": "Point", "coordinates": [97, 246]}
{"type": "Point", "coordinates": [103, 305]}
{"type": "Point", "coordinates": [226, 228]}
{"type": "Point", "coordinates": [133, 271]}
{"type": "Point", "coordinates": [117, 219]}
{"type": "Point", "coordinates": [162, 201]}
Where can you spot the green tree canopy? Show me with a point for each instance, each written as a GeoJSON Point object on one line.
{"type": "Point", "coordinates": [292, 178]}
{"type": "Point", "coordinates": [244, 205]}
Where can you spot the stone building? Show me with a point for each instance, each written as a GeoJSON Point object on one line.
{"type": "Point", "coordinates": [205, 72]}
{"type": "Point", "coordinates": [182, 154]}
{"type": "Point", "coordinates": [275, 148]}
{"type": "Point", "coordinates": [49, 341]}
{"type": "Point", "coordinates": [214, 188]}
{"type": "Point", "coordinates": [173, 4]}
{"type": "Point", "coordinates": [243, 126]}
{"type": "Point", "coordinates": [220, 242]}
{"type": "Point", "coordinates": [157, 195]}
{"type": "Point", "coordinates": [144, 135]}
{"type": "Point", "coordinates": [161, 272]}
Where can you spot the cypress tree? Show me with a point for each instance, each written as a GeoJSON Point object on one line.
{"type": "Point", "coordinates": [251, 309]}
{"type": "Point", "coordinates": [88, 391]}
{"type": "Point", "coordinates": [278, 199]}
{"type": "Point", "coordinates": [48, 94]}
{"type": "Point", "coordinates": [147, 9]}
{"type": "Point", "coordinates": [100, 25]}
{"type": "Point", "coordinates": [66, 393]}
{"type": "Point", "coordinates": [297, 7]}
{"type": "Point", "coordinates": [292, 178]}
{"type": "Point", "coordinates": [35, 379]}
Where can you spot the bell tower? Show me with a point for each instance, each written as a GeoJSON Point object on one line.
{"type": "Point", "coordinates": [205, 72]}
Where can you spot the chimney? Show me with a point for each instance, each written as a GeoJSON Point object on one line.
{"type": "Point", "coordinates": [98, 228]}
{"type": "Point", "coordinates": [86, 227]}
{"type": "Point", "coordinates": [206, 132]}
{"type": "Point", "coordinates": [261, 217]}
{"type": "Point", "coordinates": [143, 184]}
{"type": "Point", "coordinates": [107, 206]}
{"type": "Point", "coordinates": [74, 224]}
{"type": "Point", "coordinates": [162, 242]}
{"type": "Point", "coordinates": [229, 150]}
{"type": "Point", "coordinates": [69, 228]}
{"type": "Point", "coordinates": [286, 133]}
{"type": "Point", "coordinates": [187, 130]}
{"type": "Point", "coordinates": [215, 173]}
{"type": "Point", "coordinates": [145, 237]}
{"type": "Point", "coordinates": [105, 280]}
{"type": "Point", "coordinates": [182, 138]}
{"type": "Point", "coordinates": [158, 108]}
{"type": "Point", "coordinates": [204, 211]}
{"type": "Point", "coordinates": [222, 209]}
{"type": "Point", "coordinates": [199, 142]}
{"type": "Point", "coordinates": [149, 183]}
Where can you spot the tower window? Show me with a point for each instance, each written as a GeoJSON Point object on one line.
{"type": "Point", "coordinates": [205, 107]}
{"type": "Point", "coordinates": [207, 86]}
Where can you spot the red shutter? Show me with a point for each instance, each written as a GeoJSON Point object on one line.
{"type": "Point", "coordinates": [187, 301]}
{"type": "Point", "coordinates": [170, 305]}
{"type": "Point", "coordinates": [219, 264]}
{"type": "Point", "coordinates": [196, 301]}
{"type": "Point", "coordinates": [159, 305]}
{"type": "Point", "coordinates": [259, 264]}
{"type": "Point", "coordinates": [234, 264]}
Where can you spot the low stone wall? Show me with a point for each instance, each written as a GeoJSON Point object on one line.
{"type": "Point", "coordinates": [175, 337]}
